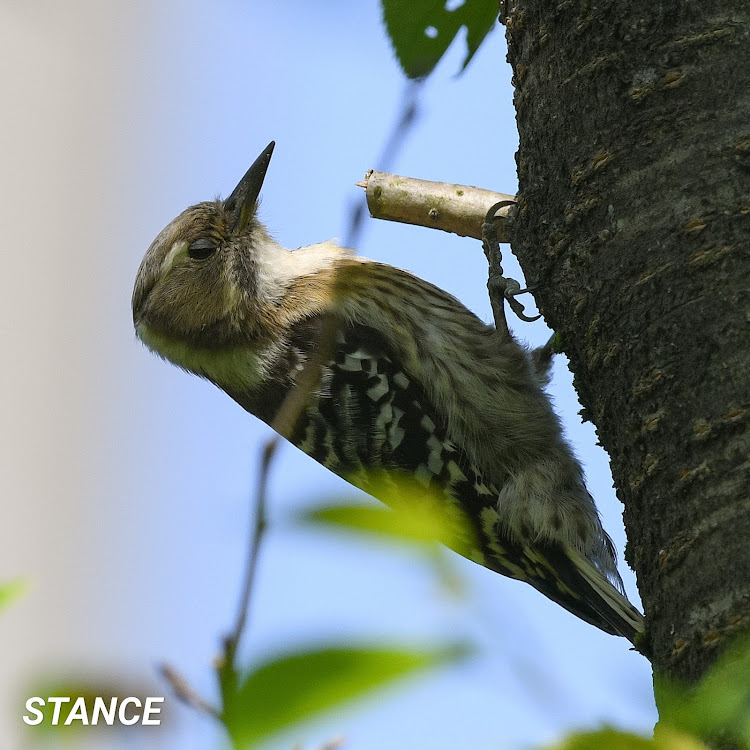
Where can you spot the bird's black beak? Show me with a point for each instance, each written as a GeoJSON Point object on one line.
{"type": "Point", "coordinates": [240, 205]}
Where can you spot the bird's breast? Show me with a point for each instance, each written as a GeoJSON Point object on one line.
{"type": "Point", "coordinates": [237, 368]}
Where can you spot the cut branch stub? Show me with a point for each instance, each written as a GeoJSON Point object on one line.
{"type": "Point", "coordinates": [460, 209]}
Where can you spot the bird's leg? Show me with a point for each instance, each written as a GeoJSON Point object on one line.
{"type": "Point", "coordinates": [501, 288]}
{"type": "Point", "coordinates": [541, 359]}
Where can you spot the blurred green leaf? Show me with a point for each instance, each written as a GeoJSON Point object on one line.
{"type": "Point", "coordinates": [723, 695]}
{"type": "Point", "coordinates": [416, 525]}
{"type": "Point", "coordinates": [418, 515]}
{"type": "Point", "coordinates": [720, 704]}
{"type": "Point", "coordinates": [612, 739]}
{"type": "Point", "coordinates": [605, 739]}
{"type": "Point", "coordinates": [669, 738]}
{"type": "Point", "coordinates": [422, 30]}
{"type": "Point", "coordinates": [676, 705]}
{"type": "Point", "coordinates": [11, 591]}
{"type": "Point", "coordinates": [382, 522]}
{"type": "Point", "coordinates": [298, 686]}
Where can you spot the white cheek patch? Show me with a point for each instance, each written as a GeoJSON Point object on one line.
{"type": "Point", "coordinates": [179, 248]}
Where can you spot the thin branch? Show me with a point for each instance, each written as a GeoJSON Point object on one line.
{"type": "Point", "coordinates": [405, 122]}
{"type": "Point", "coordinates": [439, 205]}
{"type": "Point", "coordinates": [257, 527]}
{"type": "Point", "coordinates": [284, 423]}
{"type": "Point", "coordinates": [185, 693]}
{"type": "Point", "coordinates": [226, 663]}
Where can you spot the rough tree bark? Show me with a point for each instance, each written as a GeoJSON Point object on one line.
{"type": "Point", "coordinates": [634, 223]}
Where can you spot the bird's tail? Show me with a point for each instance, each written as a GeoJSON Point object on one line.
{"type": "Point", "coordinates": [578, 586]}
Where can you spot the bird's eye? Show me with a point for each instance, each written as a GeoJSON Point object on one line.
{"type": "Point", "coordinates": [202, 248]}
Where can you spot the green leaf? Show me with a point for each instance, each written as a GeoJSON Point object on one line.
{"type": "Point", "coordinates": [298, 686]}
{"type": "Point", "coordinates": [11, 591]}
{"type": "Point", "coordinates": [605, 739]}
{"type": "Point", "coordinates": [419, 515]}
{"type": "Point", "coordinates": [372, 520]}
{"type": "Point", "coordinates": [422, 30]}
{"type": "Point", "coordinates": [612, 739]}
{"type": "Point", "coordinates": [668, 738]}
{"type": "Point", "coordinates": [420, 522]}
{"type": "Point", "coordinates": [720, 704]}
{"type": "Point", "coordinates": [676, 705]}
{"type": "Point", "coordinates": [723, 695]}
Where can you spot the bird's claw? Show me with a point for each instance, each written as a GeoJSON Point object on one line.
{"type": "Point", "coordinates": [509, 288]}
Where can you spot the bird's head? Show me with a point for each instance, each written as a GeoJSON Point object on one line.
{"type": "Point", "coordinates": [196, 283]}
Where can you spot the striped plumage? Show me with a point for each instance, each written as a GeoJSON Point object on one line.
{"type": "Point", "coordinates": [412, 384]}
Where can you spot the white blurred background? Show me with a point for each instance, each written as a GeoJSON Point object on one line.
{"type": "Point", "coordinates": [125, 483]}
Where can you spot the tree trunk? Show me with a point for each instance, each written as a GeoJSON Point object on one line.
{"type": "Point", "coordinates": [633, 223]}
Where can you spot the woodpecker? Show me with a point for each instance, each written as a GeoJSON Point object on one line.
{"type": "Point", "coordinates": [406, 383]}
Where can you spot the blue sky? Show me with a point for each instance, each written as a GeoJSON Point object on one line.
{"type": "Point", "coordinates": [207, 85]}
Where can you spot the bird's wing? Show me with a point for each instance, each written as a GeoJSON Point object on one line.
{"type": "Point", "coordinates": [368, 417]}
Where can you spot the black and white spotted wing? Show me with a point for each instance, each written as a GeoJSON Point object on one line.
{"type": "Point", "coordinates": [369, 415]}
